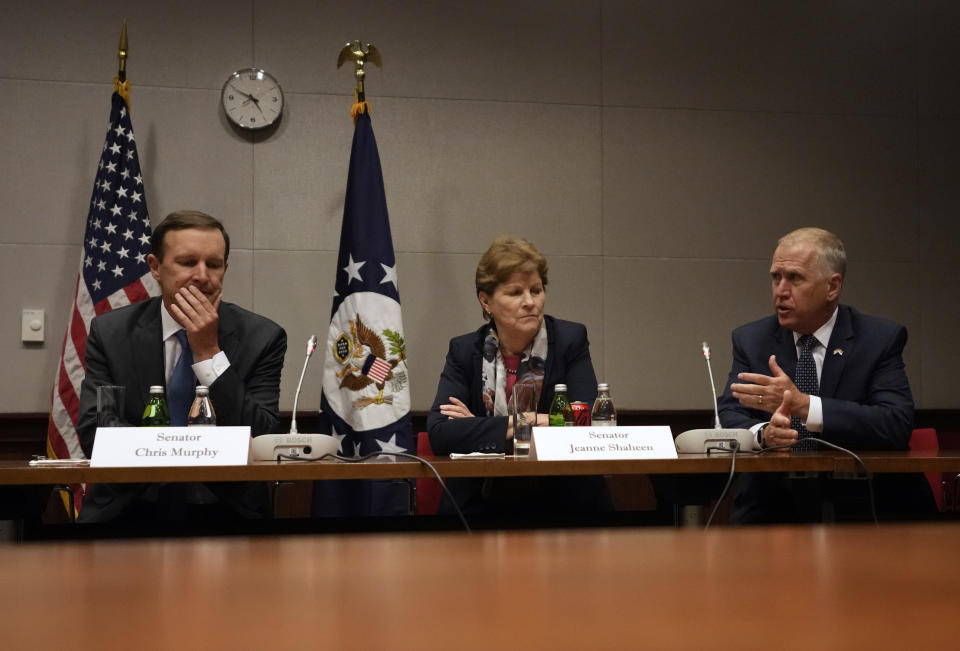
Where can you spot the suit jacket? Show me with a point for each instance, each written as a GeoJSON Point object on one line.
{"type": "Point", "coordinates": [867, 404]}
{"type": "Point", "coordinates": [568, 362]}
{"type": "Point", "coordinates": [125, 348]}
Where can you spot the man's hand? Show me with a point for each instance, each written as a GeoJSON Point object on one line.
{"type": "Point", "coordinates": [198, 316]}
{"type": "Point", "coordinates": [765, 392]}
{"type": "Point", "coordinates": [778, 431]}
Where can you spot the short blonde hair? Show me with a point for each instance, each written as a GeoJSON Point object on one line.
{"type": "Point", "coordinates": [505, 256]}
{"type": "Point", "coordinates": [831, 254]}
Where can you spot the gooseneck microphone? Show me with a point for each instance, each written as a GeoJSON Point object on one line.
{"type": "Point", "coordinates": [713, 387]}
{"type": "Point", "coordinates": [718, 438]}
{"type": "Point", "coordinates": [294, 445]}
{"type": "Point", "coordinates": [311, 346]}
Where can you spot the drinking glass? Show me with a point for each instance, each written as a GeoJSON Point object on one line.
{"type": "Point", "coordinates": [110, 400]}
{"type": "Point", "coordinates": [522, 410]}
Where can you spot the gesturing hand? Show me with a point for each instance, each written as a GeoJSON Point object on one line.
{"type": "Point", "coordinates": [765, 392]}
{"type": "Point", "coordinates": [778, 432]}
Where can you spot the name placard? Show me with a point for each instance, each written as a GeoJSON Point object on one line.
{"type": "Point", "coordinates": [170, 446]}
{"type": "Point", "coordinates": [597, 443]}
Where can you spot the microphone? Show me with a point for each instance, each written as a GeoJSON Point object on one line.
{"type": "Point", "coordinates": [270, 447]}
{"type": "Point", "coordinates": [311, 346]}
{"type": "Point", "coordinates": [700, 440]}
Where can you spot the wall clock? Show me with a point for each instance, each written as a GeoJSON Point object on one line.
{"type": "Point", "coordinates": [252, 98]}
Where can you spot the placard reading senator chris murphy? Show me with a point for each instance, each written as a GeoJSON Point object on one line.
{"type": "Point", "coordinates": [170, 446]}
{"type": "Point", "coordinates": [594, 443]}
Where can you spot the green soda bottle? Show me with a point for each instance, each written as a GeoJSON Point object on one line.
{"type": "Point", "coordinates": [156, 413]}
{"type": "Point", "coordinates": [561, 413]}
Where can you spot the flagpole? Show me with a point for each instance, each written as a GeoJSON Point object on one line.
{"type": "Point", "coordinates": [120, 83]}
{"type": "Point", "coordinates": [122, 52]}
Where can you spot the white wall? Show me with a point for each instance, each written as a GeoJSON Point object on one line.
{"type": "Point", "coordinates": [653, 150]}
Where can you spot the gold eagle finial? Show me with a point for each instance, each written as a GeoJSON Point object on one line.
{"type": "Point", "coordinates": [360, 57]}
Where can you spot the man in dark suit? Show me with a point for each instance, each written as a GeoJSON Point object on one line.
{"type": "Point", "coordinates": [853, 388]}
{"type": "Point", "coordinates": [237, 354]}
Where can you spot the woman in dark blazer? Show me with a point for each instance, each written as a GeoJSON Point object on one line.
{"type": "Point", "coordinates": [519, 344]}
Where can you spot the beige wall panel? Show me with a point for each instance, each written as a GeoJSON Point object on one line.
{"type": "Point", "coordinates": [532, 50]}
{"type": "Point", "coordinates": [939, 177]}
{"type": "Point", "coordinates": [301, 174]}
{"type": "Point", "coordinates": [809, 56]}
{"type": "Point", "coordinates": [455, 173]}
{"type": "Point", "coordinates": [659, 311]}
{"type": "Point", "coordinates": [295, 288]}
{"type": "Point", "coordinates": [52, 142]}
{"type": "Point", "coordinates": [177, 43]}
{"type": "Point", "coordinates": [722, 184]}
{"type": "Point", "coordinates": [33, 277]}
{"type": "Point", "coordinates": [192, 159]}
{"type": "Point", "coordinates": [941, 327]}
{"type": "Point", "coordinates": [238, 286]}
{"type": "Point", "coordinates": [938, 58]}
{"type": "Point", "coordinates": [439, 303]}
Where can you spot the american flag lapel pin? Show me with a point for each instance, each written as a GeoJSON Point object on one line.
{"type": "Point", "coordinates": [838, 351]}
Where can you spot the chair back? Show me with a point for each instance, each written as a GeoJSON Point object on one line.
{"type": "Point", "coordinates": [429, 490]}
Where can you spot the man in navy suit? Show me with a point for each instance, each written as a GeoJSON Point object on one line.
{"type": "Point", "coordinates": [860, 397]}
{"type": "Point", "coordinates": [237, 354]}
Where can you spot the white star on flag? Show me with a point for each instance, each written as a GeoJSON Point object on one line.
{"type": "Point", "coordinates": [390, 446]}
{"type": "Point", "coordinates": [353, 270]}
{"type": "Point", "coordinates": [389, 275]}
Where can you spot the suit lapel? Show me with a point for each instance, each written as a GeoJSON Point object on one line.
{"type": "Point", "coordinates": [226, 333]}
{"type": "Point", "coordinates": [786, 351]}
{"type": "Point", "coordinates": [147, 351]}
{"type": "Point", "coordinates": [842, 339]}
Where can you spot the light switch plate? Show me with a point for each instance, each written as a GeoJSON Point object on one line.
{"type": "Point", "coordinates": [32, 326]}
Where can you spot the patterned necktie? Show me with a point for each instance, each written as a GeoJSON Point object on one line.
{"type": "Point", "coordinates": [806, 382]}
{"type": "Point", "coordinates": [181, 387]}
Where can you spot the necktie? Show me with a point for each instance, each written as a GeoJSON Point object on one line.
{"type": "Point", "coordinates": [806, 382]}
{"type": "Point", "coordinates": [181, 387]}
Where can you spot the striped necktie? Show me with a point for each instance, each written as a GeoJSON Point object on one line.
{"type": "Point", "coordinates": [806, 382]}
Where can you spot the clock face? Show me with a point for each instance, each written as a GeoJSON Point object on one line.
{"type": "Point", "coordinates": [252, 99]}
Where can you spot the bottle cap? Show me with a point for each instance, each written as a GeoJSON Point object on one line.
{"type": "Point", "coordinates": [202, 390]}
{"type": "Point", "coordinates": [156, 388]}
{"type": "Point", "coordinates": [603, 386]}
{"type": "Point", "coordinates": [560, 387]}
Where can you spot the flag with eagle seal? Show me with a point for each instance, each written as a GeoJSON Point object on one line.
{"type": "Point", "coordinates": [366, 386]}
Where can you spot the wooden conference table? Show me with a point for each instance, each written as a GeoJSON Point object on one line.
{"type": "Point", "coordinates": [19, 472]}
{"type": "Point", "coordinates": [838, 587]}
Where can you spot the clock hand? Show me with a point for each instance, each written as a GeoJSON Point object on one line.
{"type": "Point", "coordinates": [247, 95]}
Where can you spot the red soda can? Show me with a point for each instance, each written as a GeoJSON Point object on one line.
{"type": "Point", "coordinates": [581, 413]}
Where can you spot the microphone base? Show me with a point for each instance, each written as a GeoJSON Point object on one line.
{"type": "Point", "coordinates": [306, 447]}
{"type": "Point", "coordinates": [697, 441]}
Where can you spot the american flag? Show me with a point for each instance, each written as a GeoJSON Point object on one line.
{"type": "Point", "coordinates": [113, 270]}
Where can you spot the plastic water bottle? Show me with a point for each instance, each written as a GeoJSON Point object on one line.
{"type": "Point", "coordinates": [156, 413]}
{"type": "Point", "coordinates": [561, 413]}
{"type": "Point", "coordinates": [604, 414]}
{"type": "Point", "coordinates": [201, 411]}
